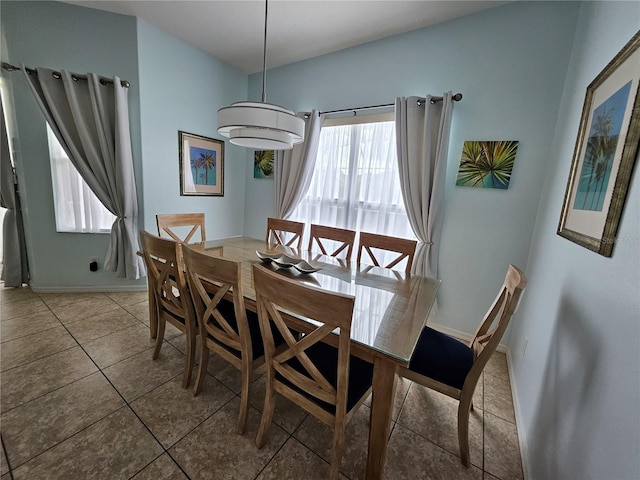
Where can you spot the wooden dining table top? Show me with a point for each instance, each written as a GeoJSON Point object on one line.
{"type": "Point", "coordinates": [391, 306]}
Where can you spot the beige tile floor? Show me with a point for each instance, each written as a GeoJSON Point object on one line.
{"type": "Point", "coordinates": [82, 399]}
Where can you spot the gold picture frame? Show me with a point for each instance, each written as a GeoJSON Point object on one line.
{"type": "Point", "coordinates": [201, 165]}
{"type": "Point", "coordinates": [604, 155]}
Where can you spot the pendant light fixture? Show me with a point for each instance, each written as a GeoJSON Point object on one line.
{"type": "Point", "coordinates": [261, 125]}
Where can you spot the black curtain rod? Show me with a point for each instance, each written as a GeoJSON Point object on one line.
{"type": "Point", "coordinates": [31, 71]}
{"type": "Point", "coordinates": [457, 97]}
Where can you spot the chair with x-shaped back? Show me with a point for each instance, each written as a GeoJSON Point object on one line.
{"type": "Point", "coordinates": [163, 259]}
{"type": "Point", "coordinates": [225, 326]}
{"type": "Point", "coordinates": [343, 239]}
{"type": "Point", "coordinates": [444, 364]}
{"type": "Point", "coordinates": [277, 228]}
{"type": "Point", "coordinates": [324, 380]}
{"type": "Point", "coordinates": [182, 227]}
{"type": "Point", "coordinates": [372, 241]}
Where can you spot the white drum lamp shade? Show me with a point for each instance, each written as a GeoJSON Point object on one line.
{"type": "Point", "coordinates": [260, 126]}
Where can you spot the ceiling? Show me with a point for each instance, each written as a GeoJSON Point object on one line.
{"type": "Point", "coordinates": [233, 31]}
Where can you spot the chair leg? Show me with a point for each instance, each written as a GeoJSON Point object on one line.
{"type": "Point", "coordinates": [267, 414]}
{"type": "Point", "coordinates": [191, 353]}
{"type": "Point", "coordinates": [202, 367]}
{"type": "Point", "coordinates": [244, 395]}
{"type": "Point", "coordinates": [153, 314]}
{"type": "Point", "coordinates": [159, 337]}
{"type": "Point", "coordinates": [336, 451]}
{"type": "Point", "coordinates": [463, 431]}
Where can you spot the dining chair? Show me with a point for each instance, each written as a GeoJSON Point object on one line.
{"type": "Point", "coordinates": [163, 259]}
{"type": "Point", "coordinates": [344, 238]}
{"type": "Point", "coordinates": [174, 225]}
{"type": "Point", "coordinates": [324, 380]}
{"type": "Point", "coordinates": [404, 247]}
{"type": "Point", "coordinates": [277, 226]}
{"type": "Point", "coordinates": [225, 326]}
{"type": "Point", "coordinates": [448, 366]}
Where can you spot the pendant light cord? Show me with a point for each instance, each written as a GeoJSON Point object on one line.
{"type": "Point", "coordinates": [264, 55]}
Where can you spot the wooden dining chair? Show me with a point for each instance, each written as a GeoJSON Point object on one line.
{"type": "Point", "coordinates": [163, 259]}
{"type": "Point", "coordinates": [277, 227]}
{"type": "Point", "coordinates": [344, 240]}
{"type": "Point", "coordinates": [448, 366]}
{"type": "Point", "coordinates": [324, 380]}
{"type": "Point", "coordinates": [225, 326]}
{"type": "Point", "coordinates": [174, 225]}
{"type": "Point", "coordinates": [373, 243]}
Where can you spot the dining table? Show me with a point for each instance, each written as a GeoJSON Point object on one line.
{"type": "Point", "coordinates": [391, 309]}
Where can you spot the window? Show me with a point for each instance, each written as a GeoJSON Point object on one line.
{"type": "Point", "coordinates": [76, 207]}
{"type": "Point", "coordinates": [356, 182]}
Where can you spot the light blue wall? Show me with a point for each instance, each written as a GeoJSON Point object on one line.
{"type": "Point", "coordinates": [61, 36]}
{"type": "Point", "coordinates": [523, 76]}
{"type": "Point", "coordinates": [510, 63]}
{"type": "Point", "coordinates": [578, 384]}
{"type": "Point", "coordinates": [182, 90]}
{"type": "Point", "coordinates": [173, 87]}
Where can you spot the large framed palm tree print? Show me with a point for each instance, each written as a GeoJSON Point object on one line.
{"type": "Point", "coordinates": [201, 165]}
{"type": "Point", "coordinates": [604, 155]}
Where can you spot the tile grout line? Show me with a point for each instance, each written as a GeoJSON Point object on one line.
{"type": "Point", "coordinates": [6, 455]}
{"type": "Point", "coordinates": [290, 435]}
{"type": "Point", "coordinates": [458, 456]}
{"type": "Point", "coordinates": [126, 403]}
{"type": "Point", "coordinates": [403, 407]}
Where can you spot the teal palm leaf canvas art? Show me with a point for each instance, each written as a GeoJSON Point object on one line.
{"type": "Point", "coordinates": [487, 164]}
{"type": "Point", "coordinates": [263, 164]}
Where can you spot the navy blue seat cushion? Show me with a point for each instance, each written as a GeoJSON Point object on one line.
{"type": "Point", "coordinates": [225, 307]}
{"type": "Point", "coordinates": [325, 358]}
{"type": "Point", "coordinates": [442, 358]}
{"type": "Point", "coordinates": [177, 317]}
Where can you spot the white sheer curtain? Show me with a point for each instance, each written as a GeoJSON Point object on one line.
{"type": "Point", "coordinates": [294, 168]}
{"type": "Point", "coordinates": [77, 209]}
{"type": "Point", "coordinates": [355, 183]}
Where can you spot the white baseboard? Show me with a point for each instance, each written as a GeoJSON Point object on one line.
{"type": "Point", "coordinates": [90, 289]}
{"type": "Point", "coordinates": [522, 438]}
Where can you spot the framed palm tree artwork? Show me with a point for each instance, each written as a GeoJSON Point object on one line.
{"type": "Point", "coordinates": [487, 164]}
{"type": "Point", "coordinates": [604, 155]}
{"type": "Point", "coordinates": [201, 165]}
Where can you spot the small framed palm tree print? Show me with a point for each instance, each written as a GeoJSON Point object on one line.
{"type": "Point", "coordinates": [201, 165]}
{"type": "Point", "coordinates": [487, 164]}
{"type": "Point", "coordinates": [604, 155]}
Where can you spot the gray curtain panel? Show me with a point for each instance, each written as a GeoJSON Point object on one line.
{"type": "Point", "coordinates": [91, 121]}
{"type": "Point", "coordinates": [422, 136]}
{"type": "Point", "coordinates": [15, 269]}
{"type": "Point", "coordinates": [293, 168]}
